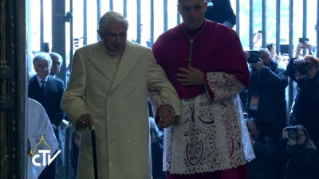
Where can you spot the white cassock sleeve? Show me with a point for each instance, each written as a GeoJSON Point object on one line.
{"type": "Point", "coordinates": [164, 90]}
{"type": "Point", "coordinates": [73, 99]}
{"type": "Point", "coordinates": [38, 124]}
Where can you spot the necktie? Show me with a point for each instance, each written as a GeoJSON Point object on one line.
{"type": "Point", "coordinates": [42, 86]}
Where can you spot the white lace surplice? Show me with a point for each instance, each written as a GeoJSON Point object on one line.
{"type": "Point", "coordinates": [38, 124]}
{"type": "Point", "coordinates": [212, 134]}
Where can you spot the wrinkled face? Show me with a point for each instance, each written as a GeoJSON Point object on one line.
{"type": "Point", "coordinates": [265, 57]}
{"type": "Point", "coordinates": [42, 67]}
{"type": "Point", "coordinates": [192, 12]}
{"type": "Point", "coordinates": [252, 129]}
{"type": "Point", "coordinates": [114, 36]}
{"type": "Point", "coordinates": [312, 71]}
{"type": "Point", "coordinates": [56, 66]}
{"type": "Point", "coordinates": [302, 138]}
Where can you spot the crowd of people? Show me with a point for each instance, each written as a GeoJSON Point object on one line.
{"type": "Point", "coordinates": [285, 145]}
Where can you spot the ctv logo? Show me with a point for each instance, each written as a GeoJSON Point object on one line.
{"type": "Point", "coordinates": [44, 152]}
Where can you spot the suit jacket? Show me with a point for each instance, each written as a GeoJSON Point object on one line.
{"type": "Point", "coordinates": [117, 102]}
{"type": "Point", "coordinates": [56, 77]}
{"type": "Point", "coordinates": [221, 12]}
{"type": "Point", "coordinates": [51, 99]}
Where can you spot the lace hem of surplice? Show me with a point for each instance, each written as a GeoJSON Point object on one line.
{"type": "Point", "coordinates": [211, 137]}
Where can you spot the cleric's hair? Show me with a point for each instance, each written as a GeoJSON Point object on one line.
{"type": "Point", "coordinates": [111, 16]}
{"type": "Point", "coordinates": [179, 1]}
{"type": "Point", "coordinates": [42, 56]}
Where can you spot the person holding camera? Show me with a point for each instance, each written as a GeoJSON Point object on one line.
{"type": "Point", "coordinates": [262, 166]}
{"type": "Point", "coordinates": [266, 94]}
{"type": "Point", "coordinates": [296, 154]}
{"type": "Point", "coordinates": [305, 109]}
{"type": "Point", "coordinates": [305, 45]}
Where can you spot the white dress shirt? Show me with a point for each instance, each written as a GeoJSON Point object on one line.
{"type": "Point", "coordinates": [115, 57]}
{"type": "Point", "coordinates": [40, 80]}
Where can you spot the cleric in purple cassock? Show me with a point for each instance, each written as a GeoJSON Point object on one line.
{"type": "Point", "coordinates": [206, 64]}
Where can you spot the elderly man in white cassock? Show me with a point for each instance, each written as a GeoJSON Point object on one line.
{"type": "Point", "coordinates": [39, 127]}
{"type": "Point", "coordinates": [108, 89]}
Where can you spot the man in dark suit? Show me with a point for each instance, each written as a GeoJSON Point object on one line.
{"type": "Point", "coordinates": [57, 62]}
{"type": "Point", "coordinates": [49, 92]}
{"type": "Point", "coordinates": [222, 12]}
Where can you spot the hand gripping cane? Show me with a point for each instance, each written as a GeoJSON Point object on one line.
{"type": "Point", "coordinates": [96, 176]}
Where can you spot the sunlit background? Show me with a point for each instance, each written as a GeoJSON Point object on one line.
{"type": "Point", "coordinates": [172, 20]}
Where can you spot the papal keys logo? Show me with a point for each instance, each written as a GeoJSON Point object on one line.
{"type": "Point", "coordinates": [43, 148]}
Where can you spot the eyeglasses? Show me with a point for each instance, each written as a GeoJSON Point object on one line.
{"type": "Point", "coordinates": [43, 66]}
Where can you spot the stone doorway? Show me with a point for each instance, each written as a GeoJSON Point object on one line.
{"type": "Point", "coordinates": [13, 89]}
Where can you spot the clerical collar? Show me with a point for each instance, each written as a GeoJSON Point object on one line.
{"type": "Point", "coordinates": [109, 52]}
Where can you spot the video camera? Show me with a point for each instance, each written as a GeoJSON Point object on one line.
{"type": "Point", "coordinates": [253, 56]}
{"type": "Point", "coordinates": [292, 132]}
{"type": "Point", "coordinates": [301, 68]}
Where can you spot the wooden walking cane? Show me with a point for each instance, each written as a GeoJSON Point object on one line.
{"type": "Point", "coordinates": [96, 175]}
